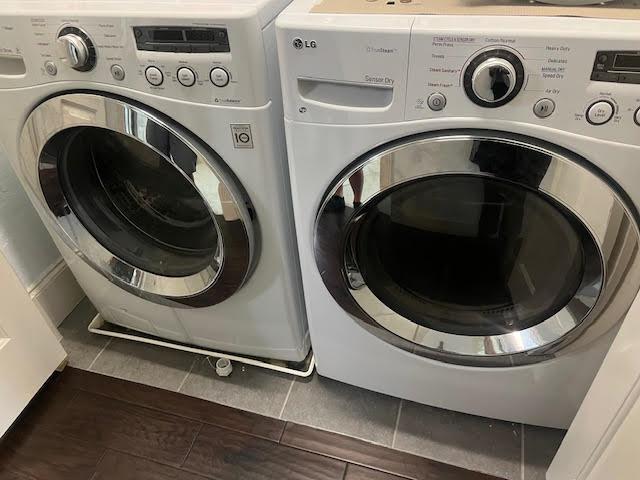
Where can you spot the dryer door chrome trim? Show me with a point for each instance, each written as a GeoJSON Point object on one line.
{"type": "Point", "coordinates": [229, 207]}
{"type": "Point", "coordinates": [610, 256]}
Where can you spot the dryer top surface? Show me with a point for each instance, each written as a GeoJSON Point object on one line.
{"type": "Point", "coordinates": [621, 9]}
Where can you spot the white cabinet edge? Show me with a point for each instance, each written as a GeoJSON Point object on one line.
{"type": "Point", "coordinates": [56, 294]}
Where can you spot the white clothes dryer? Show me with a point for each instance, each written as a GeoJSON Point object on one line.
{"type": "Point", "coordinates": [466, 193]}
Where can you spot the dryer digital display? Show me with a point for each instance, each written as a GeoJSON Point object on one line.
{"type": "Point", "coordinates": [617, 67]}
{"type": "Point", "coordinates": [626, 61]}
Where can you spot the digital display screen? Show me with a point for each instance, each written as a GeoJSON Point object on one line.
{"type": "Point", "coordinates": [200, 35]}
{"type": "Point", "coordinates": [167, 36]}
{"type": "Point", "coordinates": [181, 39]}
{"type": "Point", "coordinates": [626, 62]}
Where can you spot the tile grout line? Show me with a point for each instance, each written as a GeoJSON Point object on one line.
{"type": "Point", "coordinates": [395, 429]}
{"type": "Point", "coordinates": [286, 399]}
{"type": "Point", "coordinates": [522, 451]}
{"type": "Point", "coordinates": [99, 353]}
{"type": "Point", "coordinates": [352, 436]}
{"type": "Point", "coordinates": [184, 380]}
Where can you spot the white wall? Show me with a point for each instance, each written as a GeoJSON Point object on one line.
{"type": "Point", "coordinates": [23, 239]}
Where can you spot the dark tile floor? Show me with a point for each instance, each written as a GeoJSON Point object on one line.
{"type": "Point", "coordinates": [87, 426]}
{"type": "Point", "coordinates": [504, 449]}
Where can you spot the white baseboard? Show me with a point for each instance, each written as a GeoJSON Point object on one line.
{"type": "Point", "coordinates": [56, 293]}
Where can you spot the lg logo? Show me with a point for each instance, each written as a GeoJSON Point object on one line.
{"type": "Point", "coordinates": [299, 44]}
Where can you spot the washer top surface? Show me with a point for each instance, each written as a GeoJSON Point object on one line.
{"type": "Point", "coordinates": [267, 9]}
{"type": "Point", "coordinates": [210, 52]}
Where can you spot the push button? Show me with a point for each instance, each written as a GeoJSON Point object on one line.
{"type": "Point", "coordinates": [544, 107]}
{"type": "Point", "coordinates": [600, 112]}
{"type": "Point", "coordinates": [154, 76]}
{"type": "Point", "coordinates": [436, 101]}
{"type": "Point", "coordinates": [51, 68]}
{"type": "Point", "coordinates": [219, 77]}
{"type": "Point", "coordinates": [186, 76]}
{"type": "Point", "coordinates": [117, 72]}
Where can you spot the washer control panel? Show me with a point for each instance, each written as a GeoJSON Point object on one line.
{"type": "Point", "coordinates": [76, 49]}
{"type": "Point", "coordinates": [197, 60]}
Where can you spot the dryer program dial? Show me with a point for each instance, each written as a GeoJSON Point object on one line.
{"type": "Point", "coordinates": [493, 78]}
{"type": "Point", "coordinates": [76, 49]}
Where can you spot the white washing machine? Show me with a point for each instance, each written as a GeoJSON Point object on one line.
{"type": "Point", "coordinates": [466, 193]}
{"type": "Point", "coordinates": [148, 136]}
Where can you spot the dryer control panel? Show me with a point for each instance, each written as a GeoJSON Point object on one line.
{"type": "Point", "coordinates": [622, 66]}
{"type": "Point", "coordinates": [191, 59]}
{"type": "Point", "coordinates": [521, 74]}
{"type": "Point", "coordinates": [551, 72]}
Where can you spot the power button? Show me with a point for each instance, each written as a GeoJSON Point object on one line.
{"type": "Point", "coordinates": [436, 101]}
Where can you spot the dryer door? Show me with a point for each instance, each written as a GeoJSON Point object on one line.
{"type": "Point", "coordinates": [477, 247]}
{"type": "Point", "coordinates": [143, 201]}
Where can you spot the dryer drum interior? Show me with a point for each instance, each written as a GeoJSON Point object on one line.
{"type": "Point", "coordinates": [144, 202]}
{"type": "Point", "coordinates": [475, 247]}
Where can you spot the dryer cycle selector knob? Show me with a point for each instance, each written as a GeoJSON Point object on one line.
{"type": "Point", "coordinates": [76, 49]}
{"type": "Point", "coordinates": [493, 78]}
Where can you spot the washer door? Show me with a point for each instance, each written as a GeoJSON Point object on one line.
{"type": "Point", "coordinates": [476, 247]}
{"type": "Point", "coordinates": [141, 200]}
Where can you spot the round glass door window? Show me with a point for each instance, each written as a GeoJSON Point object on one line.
{"type": "Point", "coordinates": [137, 204]}
{"type": "Point", "coordinates": [475, 247]}
{"type": "Point", "coordinates": [471, 255]}
{"type": "Point", "coordinates": [141, 199]}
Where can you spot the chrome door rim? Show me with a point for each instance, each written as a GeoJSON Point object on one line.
{"type": "Point", "coordinates": [513, 348]}
{"type": "Point", "coordinates": [214, 283]}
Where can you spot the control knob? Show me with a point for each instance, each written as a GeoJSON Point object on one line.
{"type": "Point", "coordinates": [493, 78]}
{"type": "Point", "coordinates": [76, 49]}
